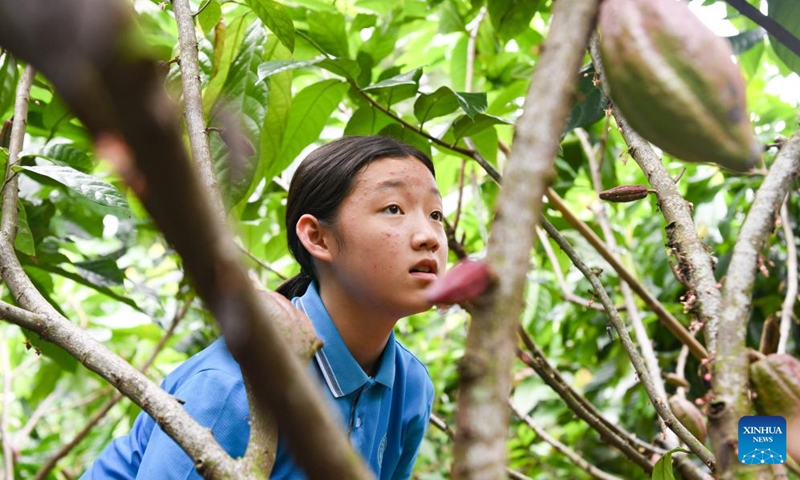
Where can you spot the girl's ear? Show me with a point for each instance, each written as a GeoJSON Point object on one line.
{"type": "Point", "coordinates": [315, 237]}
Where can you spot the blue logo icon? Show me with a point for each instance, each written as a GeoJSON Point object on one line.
{"type": "Point", "coordinates": [762, 439]}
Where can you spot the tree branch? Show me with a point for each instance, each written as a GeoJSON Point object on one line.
{"type": "Point", "coordinates": [193, 105]}
{"type": "Point", "coordinates": [669, 320]}
{"type": "Point", "coordinates": [106, 407]}
{"type": "Point", "coordinates": [645, 345]}
{"type": "Point", "coordinates": [730, 375]}
{"type": "Point", "coordinates": [787, 38]}
{"type": "Point", "coordinates": [486, 366]}
{"type": "Point", "coordinates": [565, 450]}
{"type": "Point", "coordinates": [787, 309]}
{"type": "Point", "coordinates": [10, 189]}
{"type": "Point", "coordinates": [694, 261]}
{"type": "Point", "coordinates": [659, 403]}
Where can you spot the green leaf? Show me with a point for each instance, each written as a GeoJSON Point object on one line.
{"type": "Point", "coordinates": [787, 13]}
{"type": "Point", "coordinates": [663, 467]}
{"type": "Point", "coordinates": [24, 239]}
{"type": "Point", "coordinates": [444, 101]}
{"type": "Point", "coordinates": [233, 38]}
{"type": "Point", "coordinates": [393, 88]}
{"type": "Point", "coordinates": [408, 136]}
{"type": "Point", "coordinates": [8, 84]}
{"type": "Point", "coordinates": [466, 125]}
{"type": "Point", "coordinates": [102, 271]}
{"type": "Point", "coordinates": [80, 279]}
{"type": "Point", "coordinates": [345, 67]}
{"type": "Point", "coordinates": [327, 29]}
{"type": "Point", "coordinates": [242, 107]}
{"type": "Point", "coordinates": [276, 18]}
{"type": "Point", "coordinates": [450, 19]}
{"type": "Point", "coordinates": [590, 103]}
{"type": "Point", "coordinates": [511, 17]}
{"type": "Point", "coordinates": [311, 110]}
{"type": "Point", "coordinates": [744, 41]}
{"type": "Point", "coordinates": [67, 155]}
{"type": "Point", "coordinates": [367, 121]}
{"type": "Point", "coordinates": [210, 15]}
{"type": "Point", "coordinates": [272, 67]}
{"type": "Point", "coordinates": [88, 186]}
{"type": "Point", "coordinates": [408, 78]}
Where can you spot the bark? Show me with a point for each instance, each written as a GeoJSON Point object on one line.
{"type": "Point", "coordinates": [731, 377]}
{"type": "Point", "coordinates": [118, 96]}
{"type": "Point", "coordinates": [485, 369]}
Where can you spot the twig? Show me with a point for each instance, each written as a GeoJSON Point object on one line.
{"type": "Point", "coordinates": [659, 403]}
{"type": "Point", "coordinates": [10, 190]}
{"type": "Point", "coordinates": [694, 261]}
{"type": "Point", "coordinates": [730, 374]}
{"type": "Point", "coordinates": [565, 450]}
{"type": "Point", "coordinates": [562, 283]}
{"type": "Point", "coordinates": [193, 104]}
{"type": "Point", "coordinates": [260, 262]}
{"type": "Point", "coordinates": [645, 345]}
{"type": "Point", "coordinates": [787, 309]}
{"type": "Point", "coordinates": [37, 414]}
{"type": "Point", "coordinates": [485, 368]}
{"type": "Point", "coordinates": [106, 407]}
{"type": "Point", "coordinates": [626, 443]}
{"type": "Point", "coordinates": [680, 370]}
{"type": "Point", "coordinates": [664, 315]}
{"type": "Point", "coordinates": [445, 428]}
{"type": "Point", "coordinates": [5, 431]}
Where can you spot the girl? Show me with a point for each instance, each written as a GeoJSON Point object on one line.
{"type": "Point", "coordinates": [364, 221]}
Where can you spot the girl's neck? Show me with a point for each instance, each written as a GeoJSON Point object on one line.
{"type": "Point", "coordinates": [362, 328]}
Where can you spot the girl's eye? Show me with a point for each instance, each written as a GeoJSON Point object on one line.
{"type": "Point", "coordinates": [393, 209]}
{"type": "Point", "coordinates": [438, 216]}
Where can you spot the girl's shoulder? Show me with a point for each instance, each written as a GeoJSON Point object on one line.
{"type": "Point", "coordinates": [214, 360]}
{"type": "Point", "coordinates": [413, 368]}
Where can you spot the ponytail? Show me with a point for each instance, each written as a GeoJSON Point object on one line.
{"type": "Point", "coordinates": [295, 286]}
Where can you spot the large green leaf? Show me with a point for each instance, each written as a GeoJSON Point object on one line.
{"type": "Point", "coordinates": [466, 125]}
{"type": "Point", "coordinates": [88, 186]}
{"type": "Point", "coordinates": [8, 85]}
{"type": "Point", "coordinates": [394, 87]}
{"type": "Point", "coordinates": [23, 242]}
{"type": "Point", "coordinates": [327, 29]}
{"type": "Point", "coordinates": [367, 121]}
{"type": "Point", "coordinates": [102, 271]}
{"type": "Point", "coordinates": [787, 13]}
{"type": "Point", "coordinates": [273, 67]}
{"type": "Point", "coordinates": [82, 280]}
{"type": "Point", "coordinates": [233, 39]}
{"type": "Point", "coordinates": [444, 101]}
{"type": "Point", "coordinates": [210, 15]}
{"type": "Point", "coordinates": [511, 17]}
{"type": "Point", "coordinates": [68, 155]}
{"type": "Point", "coordinates": [310, 111]}
{"type": "Point", "coordinates": [276, 18]}
{"type": "Point", "coordinates": [241, 107]}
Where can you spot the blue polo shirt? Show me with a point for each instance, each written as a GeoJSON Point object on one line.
{"type": "Point", "coordinates": [385, 416]}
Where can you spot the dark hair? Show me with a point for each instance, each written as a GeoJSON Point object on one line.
{"type": "Point", "coordinates": [321, 183]}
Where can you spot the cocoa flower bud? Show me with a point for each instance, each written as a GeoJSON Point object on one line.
{"type": "Point", "coordinates": [466, 280]}
{"type": "Point", "coordinates": [624, 193]}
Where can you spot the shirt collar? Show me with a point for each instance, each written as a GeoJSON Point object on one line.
{"type": "Point", "coordinates": [341, 371]}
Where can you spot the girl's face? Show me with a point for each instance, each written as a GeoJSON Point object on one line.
{"type": "Point", "coordinates": [390, 243]}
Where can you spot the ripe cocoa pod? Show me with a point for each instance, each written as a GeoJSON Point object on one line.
{"type": "Point", "coordinates": [691, 418]}
{"type": "Point", "coordinates": [466, 280]}
{"type": "Point", "coordinates": [624, 193]}
{"type": "Point", "coordinates": [776, 380]}
{"type": "Point", "coordinates": [674, 81]}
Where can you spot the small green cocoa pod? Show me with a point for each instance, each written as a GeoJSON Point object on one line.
{"type": "Point", "coordinates": [624, 193]}
{"type": "Point", "coordinates": [689, 416]}
{"type": "Point", "coordinates": [776, 380]}
{"type": "Point", "coordinates": [675, 82]}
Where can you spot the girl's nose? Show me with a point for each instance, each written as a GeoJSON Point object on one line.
{"type": "Point", "coordinates": [426, 237]}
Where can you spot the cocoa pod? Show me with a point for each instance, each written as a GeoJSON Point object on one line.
{"type": "Point", "coordinates": [624, 193]}
{"type": "Point", "coordinates": [674, 81]}
{"type": "Point", "coordinates": [688, 414]}
{"type": "Point", "coordinates": [776, 380]}
{"type": "Point", "coordinates": [466, 280]}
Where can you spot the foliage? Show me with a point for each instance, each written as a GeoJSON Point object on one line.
{"type": "Point", "coordinates": [295, 74]}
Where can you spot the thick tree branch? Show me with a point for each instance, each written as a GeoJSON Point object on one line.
{"type": "Point", "coordinates": [730, 372]}
{"type": "Point", "coordinates": [193, 105]}
{"type": "Point", "coordinates": [694, 262]}
{"type": "Point", "coordinates": [486, 366]}
{"type": "Point", "coordinates": [571, 454]}
{"type": "Point", "coordinates": [106, 407]}
{"type": "Point", "coordinates": [117, 94]}
{"type": "Point", "coordinates": [10, 184]}
{"type": "Point", "coordinates": [664, 315]}
{"type": "Point", "coordinates": [787, 309]}
{"type": "Point", "coordinates": [659, 403]}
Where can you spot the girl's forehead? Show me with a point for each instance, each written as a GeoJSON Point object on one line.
{"type": "Point", "coordinates": [389, 173]}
